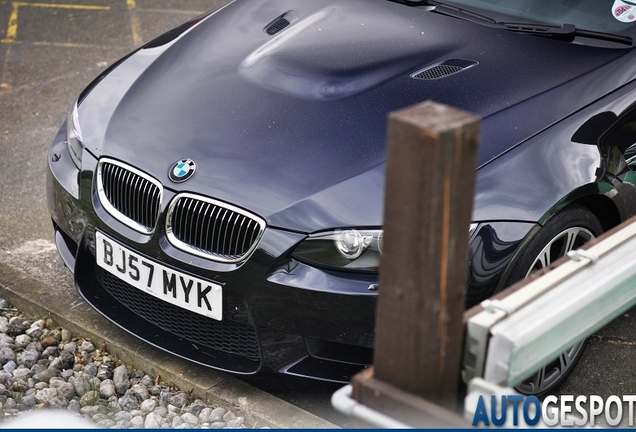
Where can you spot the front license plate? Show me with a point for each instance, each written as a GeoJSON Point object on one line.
{"type": "Point", "coordinates": [180, 289]}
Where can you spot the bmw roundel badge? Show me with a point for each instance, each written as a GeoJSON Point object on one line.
{"type": "Point", "coordinates": [182, 170]}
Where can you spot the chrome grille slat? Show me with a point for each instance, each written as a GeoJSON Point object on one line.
{"type": "Point", "coordinates": [131, 198]}
{"type": "Point", "coordinates": [111, 181]}
{"type": "Point", "coordinates": [145, 205]}
{"type": "Point", "coordinates": [227, 244]}
{"type": "Point", "coordinates": [129, 195]}
{"type": "Point", "coordinates": [223, 236]}
{"type": "Point", "coordinates": [187, 232]}
{"type": "Point", "coordinates": [119, 187]}
{"type": "Point", "coordinates": [206, 234]}
{"type": "Point", "coordinates": [155, 202]}
{"type": "Point", "coordinates": [236, 229]}
{"type": "Point", "coordinates": [121, 192]}
{"type": "Point", "coordinates": [238, 236]}
{"type": "Point", "coordinates": [245, 236]}
{"type": "Point", "coordinates": [136, 213]}
{"type": "Point", "coordinates": [204, 218]}
{"type": "Point", "coordinates": [125, 194]}
{"type": "Point", "coordinates": [212, 229]}
{"type": "Point", "coordinates": [210, 239]}
{"type": "Point", "coordinates": [216, 239]}
{"type": "Point", "coordinates": [196, 235]}
{"type": "Point", "coordinates": [248, 229]}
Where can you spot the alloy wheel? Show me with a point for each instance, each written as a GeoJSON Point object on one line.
{"type": "Point", "coordinates": [545, 378]}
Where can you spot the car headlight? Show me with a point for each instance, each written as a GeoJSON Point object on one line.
{"type": "Point", "coordinates": [346, 249]}
{"type": "Point", "coordinates": [74, 140]}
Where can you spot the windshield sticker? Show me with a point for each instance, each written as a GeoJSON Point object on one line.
{"type": "Point", "coordinates": [624, 11]}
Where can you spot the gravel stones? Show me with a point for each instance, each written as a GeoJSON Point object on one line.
{"type": "Point", "coordinates": [217, 415]}
{"type": "Point", "coordinates": [46, 375]}
{"type": "Point", "coordinates": [64, 389]}
{"type": "Point", "coordinates": [107, 389]}
{"type": "Point", "coordinates": [153, 421]}
{"type": "Point", "coordinates": [87, 346]}
{"type": "Point", "coordinates": [22, 340]}
{"type": "Point", "coordinates": [178, 400]}
{"type": "Point", "coordinates": [15, 328]}
{"type": "Point", "coordinates": [64, 361]}
{"type": "Point", "coordinates": [120, 379]}
{"type": "Point", "coordinates": [148, 406]}
{"type": "Point", "coordinates": [43, 366]}
{"type": "Point", "coordinates": [105, 371]}
{"type": "Point", "coordinates": [7, 354]}
{"type": "Point", "coordinates": [128, 402]}
{"type": "Point", "coordinates": [140, 391]}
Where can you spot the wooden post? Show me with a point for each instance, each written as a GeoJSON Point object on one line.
{"type": "Point", "coordinates": [431, 161]}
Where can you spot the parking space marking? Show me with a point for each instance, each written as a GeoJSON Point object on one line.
{"type": "Point", "coordinates": [3, 84]}
{"type": "Point", "coordinates": [12, 29]}
{"type": "Point", "coordinates": [12, 38]}
{"type": "Point", "coordinates": [135, 27]}
{"type": "Point", "coordinates": [614, 340]}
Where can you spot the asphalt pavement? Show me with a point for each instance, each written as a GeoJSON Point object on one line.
{"type": "Point", "coordinates": [48, 53]}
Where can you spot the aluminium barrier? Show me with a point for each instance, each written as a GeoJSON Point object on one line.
{"type": "Point", "coordinates": [514, 336]}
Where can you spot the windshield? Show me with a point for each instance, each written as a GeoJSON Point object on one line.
{"type": "Point", "coordinates": [606, 16]}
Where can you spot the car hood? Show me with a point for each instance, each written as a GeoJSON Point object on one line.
{"type": "Point", "coordinates": [291, 126]}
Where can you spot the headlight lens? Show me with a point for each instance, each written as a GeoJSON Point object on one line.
{"type": "Point", "coordinates": [346, 249]}
{"type": "Point", "coordinates": [74, 140]}
{"type": "Point", "coordinates": [351, 244]}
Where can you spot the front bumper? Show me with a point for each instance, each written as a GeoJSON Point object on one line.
{"type": "Point", "coordinates": [279, 315]}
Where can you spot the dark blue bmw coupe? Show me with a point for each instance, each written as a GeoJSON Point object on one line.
{"type": "Point", "coordinates": [219, 192]}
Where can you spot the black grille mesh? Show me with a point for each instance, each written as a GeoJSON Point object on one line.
{"type": "Point", "coordinates": [277, 26]}
{"type": "Point", "coordinates": [437, 72]}
{"type": "Point", "coordinates": [227, 336]}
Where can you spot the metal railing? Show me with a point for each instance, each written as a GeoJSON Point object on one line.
{"type": "Point", "coordinates": [515, 336]}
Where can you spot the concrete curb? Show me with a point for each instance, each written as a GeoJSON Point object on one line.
{"type": "Point", "coordinates": [261, 409]}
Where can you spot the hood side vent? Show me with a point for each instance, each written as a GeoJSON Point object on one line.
{"type": "Point", "coordinates": [443, 69]}
{"type": "Point", "coordinates": [281, 23]}
{"type": "Point", "coordinates": [277, 26]}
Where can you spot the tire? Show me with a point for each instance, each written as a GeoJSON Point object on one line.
{"type": "Point", "coordinates": [567, 230]}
